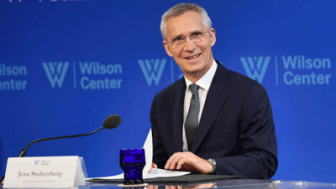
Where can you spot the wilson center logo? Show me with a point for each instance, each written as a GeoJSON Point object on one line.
{"type": "Point", "coordinates": [256, 67]}
{"type": "Point", "coordinates": [12, 0]}
{"type": "Point", "coordinates": [152, 69]}
{"type": "Point", "coordinates": [55, 72]}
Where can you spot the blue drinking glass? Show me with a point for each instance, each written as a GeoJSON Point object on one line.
{"type": "Point", "coordinates": [132, 161]}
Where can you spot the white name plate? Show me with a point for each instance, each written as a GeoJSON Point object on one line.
{"type": "Point", "coordinates": [44, 172]}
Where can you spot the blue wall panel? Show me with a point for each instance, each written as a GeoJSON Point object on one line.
{"type": "Point", "coordinates": [65, 65]}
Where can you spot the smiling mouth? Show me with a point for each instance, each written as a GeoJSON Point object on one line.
{"type": "Point", "coordinates": [192, 57]}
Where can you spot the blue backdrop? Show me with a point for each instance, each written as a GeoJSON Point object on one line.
{"type": "Point", "coordinates": [65, 65]}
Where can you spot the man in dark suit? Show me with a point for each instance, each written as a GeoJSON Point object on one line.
{"type": "Point", "coordinates": [213, 120]}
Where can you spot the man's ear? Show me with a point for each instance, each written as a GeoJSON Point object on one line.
{"type": "Point", "coordinates": [165, 44]}
{"type": "Point", "coordinates": [212, 36]}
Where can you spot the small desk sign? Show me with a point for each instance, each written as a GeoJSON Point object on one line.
{"type": "Point", "coordinates": [44, 172]}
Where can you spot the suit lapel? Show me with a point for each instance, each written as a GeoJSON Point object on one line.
{"type": "Point", "coordinates": [178, 115]}
{"type": "Point", "coordinates": [214, 102]}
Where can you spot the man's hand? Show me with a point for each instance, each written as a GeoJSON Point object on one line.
{"type": "Point", "coordinates": [153, 166]}
{"type": "Point", "coordinates": [187, 161]}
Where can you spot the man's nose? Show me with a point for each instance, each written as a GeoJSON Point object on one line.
{"type": "Point", "coordinates": [189, 44]}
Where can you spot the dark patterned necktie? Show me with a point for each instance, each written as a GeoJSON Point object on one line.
{"type": "Point", "coordinates": [191, 123]}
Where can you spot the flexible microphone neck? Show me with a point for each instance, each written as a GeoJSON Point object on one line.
{"type": "Point", "coordinates": [24, 151]}
{"type": "Point", "coordinates": [110, 122]}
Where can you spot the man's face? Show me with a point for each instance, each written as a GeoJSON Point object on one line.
{"type": "Point", "coordinates": [195, 59]}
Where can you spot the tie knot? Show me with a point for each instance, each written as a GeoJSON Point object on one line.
{"type": "Point", "coordinates": [194, 89]}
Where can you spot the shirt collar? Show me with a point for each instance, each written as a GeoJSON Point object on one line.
{"type": "Point", "coordinates": [206, 79]}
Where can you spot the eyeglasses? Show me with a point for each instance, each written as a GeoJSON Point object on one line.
{"type": "Point", "coordinates": [195, 37]}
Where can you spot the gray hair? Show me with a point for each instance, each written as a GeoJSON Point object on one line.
{"type": "Point", "coordinates": [180, 9]}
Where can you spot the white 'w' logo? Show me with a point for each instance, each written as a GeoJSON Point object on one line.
{"type": "Point", "coordinates": [56, 72]}
{"type": "Point", "coordinates": [256, 67]}
{"type": "Point", "coordinates": [152, 69]}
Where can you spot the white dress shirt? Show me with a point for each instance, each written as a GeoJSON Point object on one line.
{"type": "Point", "coordinates": [204, 85]}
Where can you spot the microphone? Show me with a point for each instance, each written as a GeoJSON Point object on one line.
{"type": "Point", "coordinates": [110, 122]}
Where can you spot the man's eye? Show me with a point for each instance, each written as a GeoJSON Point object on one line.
{"type": "Point", "coordinates": [196, 34]}
{"type": "Point", "coordinates": [178, 39]}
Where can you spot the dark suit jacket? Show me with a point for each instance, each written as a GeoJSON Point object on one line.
{"type": "Point", "coordinates": [236, 127]}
